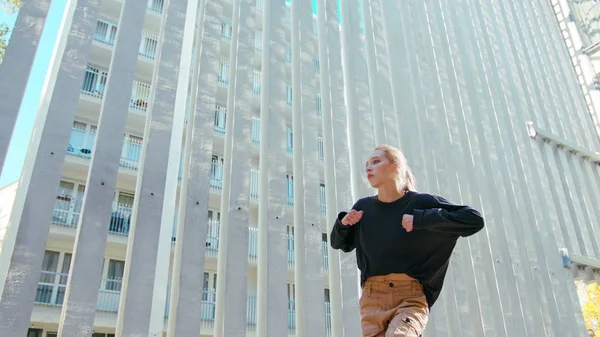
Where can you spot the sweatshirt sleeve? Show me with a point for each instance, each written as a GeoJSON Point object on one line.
{"type": "Point", "coordinates": [342, 237]}
{"type": "Point", "coordinates": [444, 217]}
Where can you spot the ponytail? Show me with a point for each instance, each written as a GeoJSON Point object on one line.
{"type": "Point", "coordinates": [409, 180]}
{"type": "Point", "coordinates": [404, 173]}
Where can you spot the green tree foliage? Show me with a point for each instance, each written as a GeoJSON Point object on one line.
{"type": "Point", "coordinates": [8, 6]}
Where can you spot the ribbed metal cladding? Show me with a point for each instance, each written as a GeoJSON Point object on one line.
{"type": "Point", "coordinates": [453, 83]}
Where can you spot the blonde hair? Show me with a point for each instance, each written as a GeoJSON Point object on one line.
{"type": "Point", "coordinates": [404, 174]}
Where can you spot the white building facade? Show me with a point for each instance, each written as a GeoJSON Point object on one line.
{"type": "Point", "coordinates": [189, 158]}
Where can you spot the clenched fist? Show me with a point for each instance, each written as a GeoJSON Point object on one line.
{"type": "Point", "coordinates": [352, 218]}
{"type": "Point", "coordinates": [407, 222]}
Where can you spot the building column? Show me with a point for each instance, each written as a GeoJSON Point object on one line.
{"type": "Point", "coordinates": [85, 273]}
{"type": "Point", "coordinates": [150, 233]}
{"type": "Point", "coordinates": [173, 182]}
{"type": "Point", "coordinates": [189, 258]}
{"type": "Point", "coordinates": [308, 261]}
{"type": "Point", "coordinates": [331, 71]}
{"type": "Point", "coordinates": [232, 268]}
{"type": "Point", "coordinates": [379, 127]}
{"type": "Point", "coordinates": [16, 67]}
{"type": "Point", "coordinates": [272, 254]}
{"type": "Point", "coordinates": [42, 172]}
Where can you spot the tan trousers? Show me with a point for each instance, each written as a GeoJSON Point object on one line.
{"type": "Point", "coordinates": [392, 306]}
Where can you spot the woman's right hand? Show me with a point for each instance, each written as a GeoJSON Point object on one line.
{"type": "Point", "coordinates": [352, 218]}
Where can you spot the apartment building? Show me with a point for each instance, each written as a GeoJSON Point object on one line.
{"type": "Point", "coordinates": [232, 132]}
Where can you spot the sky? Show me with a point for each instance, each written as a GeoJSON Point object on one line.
{"type": "Point", "coordinates": [24, 126]}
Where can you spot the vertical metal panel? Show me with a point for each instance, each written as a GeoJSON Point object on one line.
{"type": "Point", "coordinates": [85, 272]}
{"type": "Point", "coordinates": [42, 171]}
{"type": "Point", "coordinates": [147, 230]}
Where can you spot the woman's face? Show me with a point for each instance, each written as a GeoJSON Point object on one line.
{"type": "Point", "coordinates": [379, 169]}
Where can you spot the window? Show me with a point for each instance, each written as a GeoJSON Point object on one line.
{"type": "Point", "coordinates": [327, 295]}
{"type": "Point", "coordinates": [34, 332]}
{"type": "Point", "coordinates": [148, 46]}
{"type": "Point", "coordinates": [223, 77]}
{"type": "Point", "coordinates": [68, 204]}
{"type": "Point", "coordinates": [320, 149]}
{"type": "Point", "coordinates": [288, 93]}
{"type": "Point", "coordinates": [290, 190]}
{"type": "Point", "coordinates": [220, 119]}
{"type": "Point", "coordinates": [132, 151]}
{"type": "Point", "coordinates": [226, 29]}
{"type": "Point", "coordinates": [52, 284]}
{"type": "Point", "coordinates": [288, 53]}
{"type": "Point", "coordinates": [317, 64]}
{"type": "Point", "coordinates": [318, 106]}
{"type": "Point", "coordinates": [289, 140]}
{"type": "Point", "coordinates": [114, 277]}
{"type": "Point", "coordinates": [81, 142]}
{"type": "Point", "coordinates": [105, 32]}
{"type": "Point", "coordinates": [323, 200]}
{"type": "Point", "coordinates": [94, 82]}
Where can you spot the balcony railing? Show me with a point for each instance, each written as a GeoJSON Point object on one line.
{"type": "Point", "coordinates": [81, 144]}
{"type": "Point", "coordinates": [216, 176]}
{"type": "Point", "coordinates": [106, 33]}
{"type": "Point", "coordinates": [52, 287]}
{"type": "Point", "coordinates": [256, 85]}
{"type": "Point", "coordinates": [120, 219]}
{"type": "Point", "coordinates": [325, 256]}
{"type": "Point", "coordinates": [156, 5]}
{"type": "Point", "coordinates": [323, 200]}
{"type": "Point", "coordinates": [140, 96]}
{"type": "Point", "coordinates": [149, 46]}
{"type": "Point", "coordinates": [220, 120]}
{"type": "Point", "coordinates": [94, 84]}
{"type": "Point", "coordinates": [67, 209]}
{"type": "Point", "coordinates": [226, 30]}
{"type": "Point", "coordinates": [255, 131]}
{"type": "Point", "coordinates": [223, 78]}
{"type": "Point", "coordinates": [321, 149]}
{"type": "Point", "coordinates": [291, 315]}
{"type": "Point", "coordinates": [258, 40]}
{"type": "Point", "coordinates": [254, 187]}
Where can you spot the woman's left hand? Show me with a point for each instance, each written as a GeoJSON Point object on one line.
{"type": "Point", "coordinates": [407, 222]}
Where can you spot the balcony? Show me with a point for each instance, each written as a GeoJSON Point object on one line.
{"type": "Point", "coordinates": [94, 84]}
{"type": "Point", "coordinates": [216, 176]}
{"type": "Point", "coordinates": [52, 286]}
{"type": "Point", "coordinates": [256, 84]}
{"type": "Point", "coordinates": [67, 210]}
{"type": "Point", "coordinates": [106, 34]}
{"type": "Point", "coordinates": [226, 30]}
{"type": "Point", "coordinates": [81, 145]}
{"type": "Point", "coordinates": [258, 41]}
{"type": "Point", "coordinates": [223, 77]}
{"type": "Point", "coordinates": [212, 237]}
{"type": "Point", "coordinates": [254, 186]}
{"type": "Point", "coordinates": [255, 131]}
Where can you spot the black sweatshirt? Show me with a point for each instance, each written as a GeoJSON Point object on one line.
{"type": "Point", "coordinates": [384, 247]}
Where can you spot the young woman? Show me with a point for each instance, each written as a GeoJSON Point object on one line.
{"type": "Point", "coordinates": [403, 241]}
